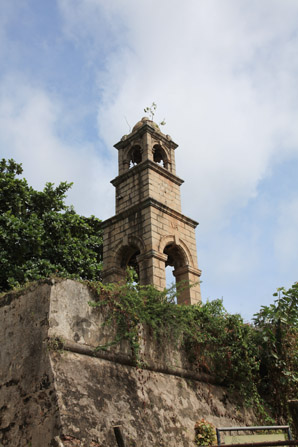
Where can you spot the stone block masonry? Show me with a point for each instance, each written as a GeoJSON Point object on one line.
{"type": "Point", "coordinates": [57, 390]}
{"type": "Point", "coordinates": [149, 232]}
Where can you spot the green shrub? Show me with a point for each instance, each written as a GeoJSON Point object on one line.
{"type": "Point", "coordinates": [205, 433]}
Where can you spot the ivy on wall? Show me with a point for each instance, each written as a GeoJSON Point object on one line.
{"type": "Point", "coordinates": [259, 361]}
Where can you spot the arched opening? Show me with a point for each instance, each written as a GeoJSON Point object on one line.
{"type": "Point", "coordinates": [128, 258]}
{"type": "Point", "coordinates": [176, 259]}
{"type": "Point", "coordinates": [135, 156]}
{"type": "Point", "coordinates": [171, 284]}
{"type": "Point", "coordinates": [176, 255]}
{"type": "Point", "coordinates": [159, 156]}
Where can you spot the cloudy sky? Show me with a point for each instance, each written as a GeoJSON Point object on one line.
{"type": "Point", "coordinates": [76, 75]}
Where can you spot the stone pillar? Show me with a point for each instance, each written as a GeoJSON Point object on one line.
{"type": "Point", "coordinates": [146, 149]}
{"type": "Point", "coordinates": [152, 269]}
{"type": "Point", "coordinates": [114, 275]}
{"type": "Point", "coordinates": [188, 284]}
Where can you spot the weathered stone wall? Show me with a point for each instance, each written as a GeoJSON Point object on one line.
{"type": "Point", "coordinates": [55, 390]}
{"type": "Point", "coordinates": [147, 179]}
{"type": "Point", "coordinates": [28, 405]}
{"type": "Point", "coordinates": [151, 226]}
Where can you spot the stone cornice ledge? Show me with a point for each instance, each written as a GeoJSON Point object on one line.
{"type": "Point", "coordinates": [125, 359]}
{"type": "Point", "coordinates": [145, 204]}
{"type": "Point", "coordinates": [147, 164]}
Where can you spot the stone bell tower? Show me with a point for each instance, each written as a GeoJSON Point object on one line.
{"type": "Point", "coordinates": [148, 231]}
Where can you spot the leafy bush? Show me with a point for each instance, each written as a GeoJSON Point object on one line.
{"type": "Point", "coordinates": [277, 338]}
{"type": "Point", "coordinates": [40, 235]}
{"type": "Point", "coordinates": [205, 433]}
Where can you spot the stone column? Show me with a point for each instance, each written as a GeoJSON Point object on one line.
{"type": "Point", "coordinates": [114, 275]}
{"type": "Point", "coordinates": [152, 269]}
{"type": "Point", "coordinates": [147, 147]}
{"type": "Point", "coordinates": [188, 284]}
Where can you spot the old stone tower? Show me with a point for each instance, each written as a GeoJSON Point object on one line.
{"type": "Point", "coordinates": [148, 231]}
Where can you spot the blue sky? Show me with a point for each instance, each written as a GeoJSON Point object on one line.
{"type": "Point", "coordinates": [224, 74]}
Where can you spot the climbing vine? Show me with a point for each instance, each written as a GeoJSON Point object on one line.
{"type": "Point", "coordinates": [214, 341]}
{"type": "Point", "coordinates": [239, 355]}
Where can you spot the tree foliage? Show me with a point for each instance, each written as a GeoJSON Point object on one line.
{"type": "Point", "coordinates": [40, 235]}
{"type": "Point", "coordinates": [277, 338]}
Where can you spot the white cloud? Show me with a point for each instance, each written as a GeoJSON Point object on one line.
{"type": "Point", "coordinates": [223, 74]}
{"type": "Point", "coordinates": [28, 133]}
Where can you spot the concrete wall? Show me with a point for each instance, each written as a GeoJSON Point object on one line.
{"type": "Point", "coordinates": [70, 395]}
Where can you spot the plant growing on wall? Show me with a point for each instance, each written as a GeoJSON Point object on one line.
{"type": "Point", "coordinates": [150, 111]}
{"type": "Point", "coordinates": [215, 342]}
{"type": "Point", "coordinates": [205, 433]}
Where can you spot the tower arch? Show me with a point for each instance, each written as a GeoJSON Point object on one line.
{"type": "Point", "coordinates": [134, 156]}
{"type": "Point", "coordinates": [160, 156]}
{"type": "Point", "coordinates": [127, 257]}
{"type": "Point", "coordinates": [126, 253]}
{"type": "Point", "coordinates": [177, 241]}
{"type": "Point", "coordinates": [148, 231]}
{"type": "Point", "coordinates": [176, 256]}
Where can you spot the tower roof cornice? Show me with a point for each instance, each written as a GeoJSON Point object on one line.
{"type": "Point", "coordinates": [145, 126]}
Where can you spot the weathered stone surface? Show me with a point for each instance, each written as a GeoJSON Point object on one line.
{"type": "Point", "coordinates": [153, 409]}
{"type": "Point", "coordinates": [28, 406]}
{"type": "Point", "coordinates": [52, 397]}
{"type": "Point", "coordinates": [148, 231]}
